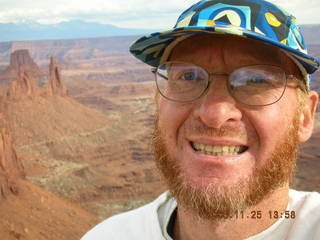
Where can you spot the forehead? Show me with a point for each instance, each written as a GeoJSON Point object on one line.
{"type": "Point", "coordinates": [229, 52]}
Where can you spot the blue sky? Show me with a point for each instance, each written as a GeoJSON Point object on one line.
{"type": "Point", "coordinates": [153, 14]}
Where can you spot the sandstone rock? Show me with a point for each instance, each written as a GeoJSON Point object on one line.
{"type": "Point", "coordinates": [17, 59]}
{"type": "Point", "coordinates": [26, 83]}
{"type": "Point", "coordinates": [25, 86]}
{"type": "Point", "coordinates": [22, 57]}
{"type": "Point", "coordinates": [55, 85]}
{"type": "Point", "coordinates": [11, 168]}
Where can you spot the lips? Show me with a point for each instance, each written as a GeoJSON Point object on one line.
{"type": "Point", "coordinates": [219, 150]}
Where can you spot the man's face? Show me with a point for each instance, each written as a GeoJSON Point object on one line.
{"type": "Point", "coordinates": [220, 185]}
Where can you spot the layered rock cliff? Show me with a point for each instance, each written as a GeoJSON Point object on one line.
{"type": "Point", "coordinates": [11, 169]}
{"type": "Point", "coordinates": [17, 59]}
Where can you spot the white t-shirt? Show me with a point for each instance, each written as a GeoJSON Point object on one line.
{"type": "Point", "coordinates": [150, 222]}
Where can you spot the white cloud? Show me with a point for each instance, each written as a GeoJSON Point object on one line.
{"type": "Point", "coordinates": [129, 13]}
{"type": "Point", "coordinates": [146, 14]}
{"type": "Point", "coordinates": [304, 11]}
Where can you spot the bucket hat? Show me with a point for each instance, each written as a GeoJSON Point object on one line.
{"type": "Point", "coordinates": [253, 19]}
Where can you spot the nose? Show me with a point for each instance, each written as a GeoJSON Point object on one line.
{"type": "Point", "coordinates": [217, 107]}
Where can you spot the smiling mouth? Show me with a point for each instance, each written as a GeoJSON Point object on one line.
{"type": "Point", "coordinates": [218, 150]}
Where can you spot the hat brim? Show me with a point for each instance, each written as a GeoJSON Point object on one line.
{"type": "Point", "coordinates": [150, 49]}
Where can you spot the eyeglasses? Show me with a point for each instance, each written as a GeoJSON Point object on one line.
{"type": "Point", "coordinates": [256, 85]}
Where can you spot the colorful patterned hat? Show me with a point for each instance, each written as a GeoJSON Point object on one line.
{"type": "Point", "coordinates": [254, 19]}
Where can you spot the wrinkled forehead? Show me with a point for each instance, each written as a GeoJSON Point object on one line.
{"type": "Point", "coordinates": [211, 50]}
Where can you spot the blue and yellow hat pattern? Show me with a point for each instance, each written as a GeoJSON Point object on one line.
{"type": "Point", "coordinates": [255, 19]}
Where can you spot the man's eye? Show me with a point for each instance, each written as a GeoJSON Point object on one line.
{"type": "Point", "coordinates": [257, 79]}
{"type": "Point", "coordinates": [189, 76]}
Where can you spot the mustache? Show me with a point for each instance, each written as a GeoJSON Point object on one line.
{"type": "Point", "coordinates": [199, 128]}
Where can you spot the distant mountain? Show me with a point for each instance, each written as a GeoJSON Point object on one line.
{"type": "Point", "coordinates": [80, 29]}
{"type": "Point", "coordinates": [64, 30]}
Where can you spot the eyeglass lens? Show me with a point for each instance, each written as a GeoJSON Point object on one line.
{"type": "Point", "coordinates": [252, 85]}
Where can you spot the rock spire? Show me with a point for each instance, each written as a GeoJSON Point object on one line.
{"type": "Point", "coordinates": [55, 85]}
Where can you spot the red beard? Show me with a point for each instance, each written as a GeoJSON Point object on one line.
{"type": "Point", "coordinates": [213, 202]}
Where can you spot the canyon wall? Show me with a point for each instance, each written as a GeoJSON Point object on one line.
{"type": "Point", "coordinates": [11, 169]}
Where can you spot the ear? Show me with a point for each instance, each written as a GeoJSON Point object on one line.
{"type": "Point", "coordinates": [307, 116]}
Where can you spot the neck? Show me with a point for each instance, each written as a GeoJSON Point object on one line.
{"type": "Point", "coordinates": [252, 221]}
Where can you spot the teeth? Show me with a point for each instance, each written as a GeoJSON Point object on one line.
{"type": "Point", "coordinates": [218, 150]}
{"type": "Point", "coordinates": [208, 148]}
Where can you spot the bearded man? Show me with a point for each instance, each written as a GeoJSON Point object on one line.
{"type": "Point", "coordinates": [233, 104]}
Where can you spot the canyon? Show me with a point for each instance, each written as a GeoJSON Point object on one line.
{"type": "Point", "coordinates": [27, 210]}
{"type": "Point", "coordinates": [66, 147]}
{"type": "Point", "coordinates": [76, 121]}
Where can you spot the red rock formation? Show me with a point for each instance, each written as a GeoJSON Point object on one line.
{"type": "Point", "coordinates": [17, 59]}
{"type": "Point", "coordinates": [11, 168]}
{"type": "Point", "coordinates": [55, 85]}
{"type": "Point", "coordinates": [25, 86]}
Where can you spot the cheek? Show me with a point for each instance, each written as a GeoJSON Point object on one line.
{"type": "Point", "coordinates": [171, 117]}
{"type": "Point", "coordinates": [271, 125]}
